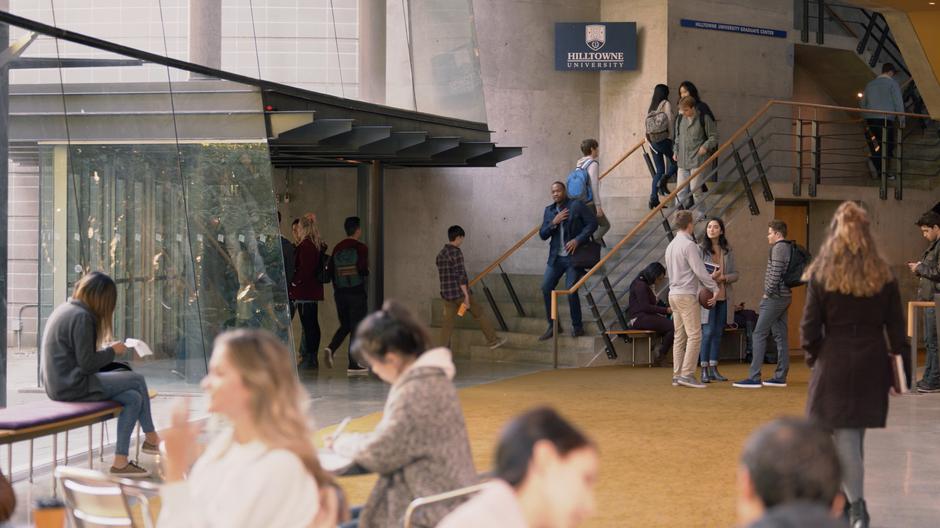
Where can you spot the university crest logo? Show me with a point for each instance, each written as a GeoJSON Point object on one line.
{"type": "Point", "coordinates": [595, 35]}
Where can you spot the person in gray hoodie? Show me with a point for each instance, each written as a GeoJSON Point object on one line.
{"type": "Point", "coordinates": [420, 447]}
{"type": "Point", "coordinates": [75, 349]}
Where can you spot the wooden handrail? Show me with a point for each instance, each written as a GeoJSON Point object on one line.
{"type": "Point", "coordinates": [532, 233]}
{"type": "Point", "coordinates": [723, 147]}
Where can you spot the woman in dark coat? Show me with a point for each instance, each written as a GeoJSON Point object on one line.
{"type": "Point", "coordinates": [644, 311]}
{"type": "Point", "coordinates": [852, 302]}
{"type": "Point", "coordinates": [306, 290]}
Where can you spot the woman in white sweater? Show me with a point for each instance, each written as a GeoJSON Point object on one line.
{"type": "Point", "coordinates": [263, 471]}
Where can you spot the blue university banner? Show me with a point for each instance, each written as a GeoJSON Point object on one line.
{"type": "Point", "coordinates": [595, 46]}
{"type": "Point", "coordinates": [733, 28]}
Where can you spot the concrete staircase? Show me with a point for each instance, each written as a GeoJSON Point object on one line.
{"type": "Point", "coordinates": [523, 331]}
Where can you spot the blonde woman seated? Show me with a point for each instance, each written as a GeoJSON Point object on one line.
{"type": "Point", "coordinates": [545, 475]}
{"type": "Point", "coordinates": [263, 471]}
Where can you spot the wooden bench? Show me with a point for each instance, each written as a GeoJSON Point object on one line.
{"type": "Point", "coordinates": [632, 335]}
{"type": "Point", "coordinates": [44, 418]}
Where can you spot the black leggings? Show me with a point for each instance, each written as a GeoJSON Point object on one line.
{"type": "Point", "coordinates": [311, 326]}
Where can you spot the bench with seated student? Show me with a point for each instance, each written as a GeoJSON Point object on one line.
{"type": "Point", "coordinates": [75, 350]}
{"type": "Point", "coordinates": [645, 312]}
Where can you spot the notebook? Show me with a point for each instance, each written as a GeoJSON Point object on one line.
{"type": "Point", "coordinates": [899, 378]}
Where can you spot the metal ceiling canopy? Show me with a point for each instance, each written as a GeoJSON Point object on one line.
{"type": "Point", "coordinates": [342, 132]}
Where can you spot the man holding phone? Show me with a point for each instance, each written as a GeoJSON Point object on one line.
{"type": "Point", "coordinates": [928, 289]}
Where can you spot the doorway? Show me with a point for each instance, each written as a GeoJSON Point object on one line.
{"type": "Point", "coordinates": [796, 216]}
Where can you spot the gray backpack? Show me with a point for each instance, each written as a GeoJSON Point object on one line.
{"type": "Point", "coordinates": [657, 125]}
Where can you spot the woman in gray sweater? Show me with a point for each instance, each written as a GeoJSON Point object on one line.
{"type": "Point", "coordinates": [420, 447]}
{"type": "Point", "coordinates": [73, 354]}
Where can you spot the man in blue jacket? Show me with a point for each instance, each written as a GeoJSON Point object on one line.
{"type": "Point", "coordinates": [882, 93]}
{"type": "Point", "coordinates": [569, 224]}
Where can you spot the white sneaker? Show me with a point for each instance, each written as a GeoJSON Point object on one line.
{"type": "Point", "coordinates": [498, 343]}
{"type": "Point", "coordinates": [328, 356]}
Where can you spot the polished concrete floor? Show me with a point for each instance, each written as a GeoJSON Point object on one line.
{"type": "Point", "coordinates": [902, 461]}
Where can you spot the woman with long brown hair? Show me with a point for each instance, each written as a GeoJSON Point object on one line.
{"type": "Point", "coordinates": [852, 303]}
{"type": "Point", "coordinates": [76, 344]}
{"type": "Point", "coordinates": [306, 290]}
{"type": "Point", "coordinates": [263, 470]}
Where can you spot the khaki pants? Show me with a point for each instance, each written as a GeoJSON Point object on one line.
{"type": "Point", "coordinates": [687, 321]}
{"type": "Point", "coordinates": [450, 312]}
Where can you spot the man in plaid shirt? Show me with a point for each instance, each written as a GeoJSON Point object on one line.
{"type": "Point", "coordinates": [455, 290]}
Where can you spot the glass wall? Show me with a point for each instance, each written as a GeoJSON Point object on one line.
{"type": "Point", "coordinates": [160, 181]}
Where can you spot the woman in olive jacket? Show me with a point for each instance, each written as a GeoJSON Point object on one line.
{"type": "Point", "coordinates": [852, 303]}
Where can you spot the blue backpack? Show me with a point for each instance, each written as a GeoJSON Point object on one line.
{"type": "Point", "coordinates": [579, 183]}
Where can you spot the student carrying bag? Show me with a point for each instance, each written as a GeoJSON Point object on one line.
{"type": "Point", "coordinates": [578, 183]}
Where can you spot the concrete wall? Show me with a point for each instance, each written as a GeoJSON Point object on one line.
{"type": "Point", "coordinates": [735, 73]}
{"type": "Point", "coordinates": [331, 195]}
{"type": "Point", "coordinates": [624, 101]}
{"type": "Point", "coordinates": [527, 103]}
{"type": "Point", "coordinates": [23, 257]}
{"type": "Point", "coordinates": [892, 223]}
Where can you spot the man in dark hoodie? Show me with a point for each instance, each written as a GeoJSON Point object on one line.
{"type": "Point", "coordinates": [789, 477]}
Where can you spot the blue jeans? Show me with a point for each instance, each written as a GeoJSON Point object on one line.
{"type": "Point", "coordinates": [662, 158]}
{"type": "Point", "coordinates": [771, 319]}
{"type": "Point", "coordinates": [552, 274]}
{"type": "Point", "coordinates": [932, 368]}
{"type": "Point", "coordinates": [130, 390]}
{"type": "Point", "coordinates": [711, 334]}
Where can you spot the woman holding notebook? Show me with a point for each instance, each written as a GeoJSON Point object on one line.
{"type": "Point", "coordinates": [852, 328]}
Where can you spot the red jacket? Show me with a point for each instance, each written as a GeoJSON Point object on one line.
{"type": "Point", "coordinates": [305, 286]}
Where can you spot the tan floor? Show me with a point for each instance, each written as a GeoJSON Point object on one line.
{"type": "Point", "coordinates": [668, 454]}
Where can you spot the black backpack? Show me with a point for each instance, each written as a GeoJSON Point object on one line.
{"type": "Point", "coordinates": [799, 259]}
{"type": "Point", "coordinates": [324, 270]}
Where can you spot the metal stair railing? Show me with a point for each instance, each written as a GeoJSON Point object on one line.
{"type": "Point", "coordinates": [753, 151]}
{"type": "Point", "coordinates": [498, 263]}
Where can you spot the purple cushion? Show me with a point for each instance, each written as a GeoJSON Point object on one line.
{"type": "Point", "coordinates": [44, 412]}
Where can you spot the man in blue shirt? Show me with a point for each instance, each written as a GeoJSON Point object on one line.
{"type": "Point", "coordinates": [569, 224]}
{"type": "Point", "coordinates": [882, 93]}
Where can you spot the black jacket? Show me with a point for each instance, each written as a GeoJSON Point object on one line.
{"type": "Point", "coordinates": [580, 225]}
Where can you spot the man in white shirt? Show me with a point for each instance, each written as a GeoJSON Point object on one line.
{"type": "Point", "coordinates": [589, 148]}
{"type": "Point", "coordinates": [687, 274]}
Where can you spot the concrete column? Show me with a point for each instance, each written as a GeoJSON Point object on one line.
{"type": "Point", "coordinates": [372, 55]}
{"type": "Point", "coordinates": [4, 210]}
{"type": "Point", "coordinates": [205, 34]}
{"type": "Point", "coordinates": [370, 191]}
